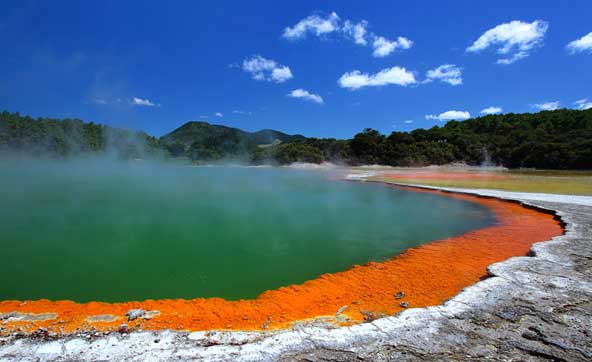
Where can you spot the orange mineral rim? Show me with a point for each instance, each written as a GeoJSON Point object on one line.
{"type": "Point", "coordinates": [422, 276]}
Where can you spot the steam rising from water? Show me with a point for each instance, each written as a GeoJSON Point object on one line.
{"type": "Point", "coordinates": [98, 229]}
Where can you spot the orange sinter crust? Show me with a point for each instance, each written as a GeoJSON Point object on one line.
{"type": "Point", "coordinates": [428, 275]}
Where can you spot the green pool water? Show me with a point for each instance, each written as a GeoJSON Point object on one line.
{"type": "Point", "coordinates": [117, 231]}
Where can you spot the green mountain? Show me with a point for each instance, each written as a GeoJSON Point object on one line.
{"type": "Point", "coordinates": [560, 139]}
{"type": "Point", "coordinates": [204, 141]}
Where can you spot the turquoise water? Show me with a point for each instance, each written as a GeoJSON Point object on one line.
{"type": "Point", "coordinates": [115, 232]}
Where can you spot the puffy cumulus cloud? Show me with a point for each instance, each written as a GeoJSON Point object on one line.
{"type": "Point", "coordinates": [583, 104]}
{"type": "Point", "coordinates": [306, 95]}
{"type": "Point", "coordinates": [266, 69]}
{"type": "Point", "coordinates": [281, 74]}
{"type": "Point", "coordinates": [218, 114]}
{"type": "Point", "coordinates": [395, 75]}
{"type": "Point", "coordinates": [448, 73]}
{"type": "Point", "coordinates": [143, 102]}
{"type": "Point", "coordinates": [514, 40]}
{"type": "Point", "coordinates": [547, 106]}
{"type": "Point", "coordinates": [581, 45]}
{"type": "Point", "coordinates": [383, 47]}
{"type": "Point", "coordinates": [492, 110]}
{"type": "Point", "coordinates": [321, 25]}
{"type": "Point", "coordinates": [450, 115]}
{"type": "Point", "coordinates": [357, 31]}
{"type": "Point", "coordinates": [315, 24]}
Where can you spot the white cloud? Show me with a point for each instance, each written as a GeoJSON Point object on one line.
{"type": "Point", "coordinates": [449, 115]}
{"type": "Point", "coordinates": [409, 121]}
{"type": "Point", "coordinates": [313, 24]}
{"type": "Point", "coordinates": [547, 106]}
{"type": "Point", "coordinates": [306, 95]}
{"type": "Point", "coordinates": [357, 31]}
{"type": "Point", "coordinates": [321, 26]}
{"type": "Point", "coordinates": [281, 74]}
{"type": "Point", "coordinates": [448, 73]}
{"type": "Point", "coordinates": [395, 75]}
{"type": "Point", "coordinates": [383, 47]}
{"type": "Point", "coordinates": [244, 113]}
{"type": "Point", "coordinates": [142, 102]}
{"type": "Point", "coordinates": [580, 45]}
{"type": "Point", "coordinates": [514, 39]}
{"type": "Point", "coordinates": [492, 110]}
{"type": "Point", "coordinates": [266, 69]}
{"type": "Point", "coordinates": [218, 114]}
{"type": "Point", "coordinates": [512, 59]}
{"type": "Point", "coordinates": [583, 104]}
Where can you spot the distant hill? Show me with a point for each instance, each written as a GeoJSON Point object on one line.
{"type": "Point", "coordinates": [560, 139]}
{"type": "Point", "coordinates": [205, 141]}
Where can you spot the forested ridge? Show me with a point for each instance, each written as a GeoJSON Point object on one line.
{"type": "Point", "coordinates": [48, 137]}
{"type": "Point", "coordinates": [206, 142]}
{"type": "Point", "coordinates": [560, 139]}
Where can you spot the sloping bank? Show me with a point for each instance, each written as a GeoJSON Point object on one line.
{"type": "Point", "coordinates": [531, 308]}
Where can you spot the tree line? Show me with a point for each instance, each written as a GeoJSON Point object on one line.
{"type": "Point", "coordinates": [560, 139]}
{"type": "Point", "coordinates": [48, 137]}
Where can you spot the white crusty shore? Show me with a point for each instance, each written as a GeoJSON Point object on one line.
{"type": "Point", "coordinates": [530, 309]}
{"type": "Point", "coordinates": [519, 196]}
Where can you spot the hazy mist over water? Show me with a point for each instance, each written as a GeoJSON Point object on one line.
{"type": "Point", "coordinates": [97, 229]}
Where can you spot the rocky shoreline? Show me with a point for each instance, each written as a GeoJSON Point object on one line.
{"type": "Point", "coordinates": [530, 309]}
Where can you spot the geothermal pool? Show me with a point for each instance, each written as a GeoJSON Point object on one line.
{"type": "Point", "coordinates": [118, 232]}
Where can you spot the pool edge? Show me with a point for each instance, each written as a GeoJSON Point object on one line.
{"type": "Point", "coordinates": [447, 326]}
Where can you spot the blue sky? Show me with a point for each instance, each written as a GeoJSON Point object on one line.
{"type": "Point", "coordinates": [319, 68]}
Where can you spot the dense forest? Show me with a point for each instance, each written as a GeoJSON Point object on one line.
{"type": "Point", "coordinates": [560, 139]}
{"type": "Point", "coordinates": [46, 137]}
